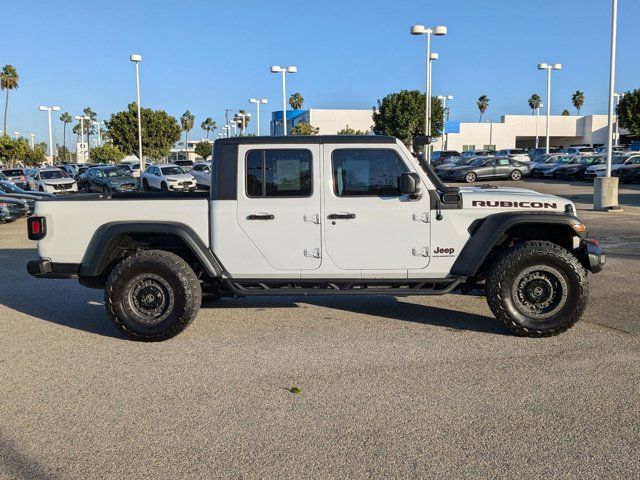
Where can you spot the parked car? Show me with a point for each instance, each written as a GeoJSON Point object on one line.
{"type": "Point", "coordinates": [445, 156]}
{"type": "Point", "coordinates": [442, 170]}
{"type": "Point", "coordinates": [202, 173]}
{"type": "Point", "coordinates": [578, 151]}
{"type": "Point", "coordinates": [536, 153]}
{"type": "Point", "coordinates": [71, 169]}
{"type": "Point", "coordinates": [52, 180]}
{"type": "Point", "coordinates": [12, 209]}
{"type": "Point", "coordinates": [617, 162]}
{"type": "Point", "coordinates": [476, 153]}
{"type": "Point", "coordinates": [186, 165]}
{"type": "Point", "coordinates": [542, 159]}
{"type": "Point", "coordinates": [519, 154]}
{"type": "Point", "coordinates": [576, 170]}
{"type": "Point", "coordinates": [167, 178]}
{"type": "Point", "coordinates": [8, 189]}
{"type": "Point", "coordinates": [484, 168]}
{"type": "Point", "coordinates": [108, 179]}
{"type": "Point", "coordinates": [628, 173]}
{"type": "Point", "coordinates": [17, 176]}
{"type": "Point", "coordinates": [548, 169]}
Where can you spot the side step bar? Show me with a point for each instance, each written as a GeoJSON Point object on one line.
{"type": "Point", "coordinates": [242, 288]}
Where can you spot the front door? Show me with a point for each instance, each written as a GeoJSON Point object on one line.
{"type": "Point", "coordinates": [279, 204]}
{"type": "Point", "coordinates": [368, 223]}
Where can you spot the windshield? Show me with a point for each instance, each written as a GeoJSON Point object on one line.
{"type": "Point", "coordinates": [172, 171]}
{"type": "Point", "coordinates": [13, 173]}
{"type": "Point", "coordinates": [477, 162]}
{"type": "Point", "coordinates": [589, 160]}
{"type": "Point", "coordinates": [3, 176]}
{"type": "Point", "coordinates": [114, 172]}
{"type": "Point", "coordinates": [52, 174]}
{"type": "Point", "coordinates": [618, 159]}
{"type": "Point", "coordinates": [566, 160]}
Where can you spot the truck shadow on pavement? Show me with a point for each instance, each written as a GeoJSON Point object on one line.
{"type": "Point", "coordinates": [66, 303]}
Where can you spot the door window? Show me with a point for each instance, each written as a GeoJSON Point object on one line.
{"type": "Point", "coordinates": [503, 161]}
{"type": "Point", "coordinates": [278, 173]}
{"type": "Point", "coordinates": [366, 172]}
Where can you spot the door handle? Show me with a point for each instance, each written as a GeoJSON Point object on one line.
{"type": "Point", "coordinates": [261, 216]}
{"type": "Point", "coordinates": [341, 216]}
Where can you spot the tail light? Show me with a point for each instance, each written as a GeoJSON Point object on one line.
{"type": "Point", "coordinates": [36, 228]}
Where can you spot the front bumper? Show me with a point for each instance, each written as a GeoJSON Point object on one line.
{"type": "Point", "coordinates": [44, 268]}
{"type": "Point", "coordinates": [593, 256]}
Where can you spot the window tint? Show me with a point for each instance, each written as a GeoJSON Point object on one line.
{"type": "Point", "coordinates": [366, 172]}
{"type": "Point", "coordinates": [279, 173]}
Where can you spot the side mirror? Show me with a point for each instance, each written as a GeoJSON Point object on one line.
{"type": "Point", "coordinates": [409, 182]}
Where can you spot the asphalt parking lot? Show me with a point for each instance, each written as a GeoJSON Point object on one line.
{"type": "Point", "coordinates": [416, 387]}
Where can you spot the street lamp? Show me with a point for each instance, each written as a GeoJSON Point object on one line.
{"type": "Point", "coordinates": [99, 125]}
{"type": "Point", "coordinates": [284, 71]}
{"type": "Point", "coordinates": [538, 118]}
{"type": "Point", "coordinates": [44, 108]}
{"type": "Point", "coordinates": [16, 135]}
{"type": "Point", "coordinates": [618, 96]}
{"type": "Point", "coordinates": [33, 136]}
{"type": "Point", "coordinates": [438, 31]}
{"type": "Point", "coordinates": [135, 58]}
{"type": "Point", "coordinates": [243, 118]}
{"type": "Point", "coordinates": [548, 67]}
{"type": "Point", "coordinates": [81, 119]}
{"type": "Point", "coordinates": [258, 102]}
{"type": "Point", "coordinates": [445, 117]}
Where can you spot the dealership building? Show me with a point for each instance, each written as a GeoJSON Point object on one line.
{"type": "Point", "coordinates": [329, 121]}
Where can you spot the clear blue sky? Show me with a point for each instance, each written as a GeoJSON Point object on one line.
{"type": "Point", "coordinates": [210, 55]}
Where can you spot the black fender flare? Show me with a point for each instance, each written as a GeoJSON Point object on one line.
{"type": "Point", "coordinates": [487, 231]}
{"type": "Point", "coordinates": [105, 239]}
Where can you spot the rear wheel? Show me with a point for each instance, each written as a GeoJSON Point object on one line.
{"type": "Point", "coordinates": [537, 289]}
{"type": "Point", "coordinates": [516, 175]}
{"type": "Point", "coordinates": [152, 295]}
{"type": "Point", "coordinates": [470, 177]}
{"type": "Point", "coordinates": [145, 185]}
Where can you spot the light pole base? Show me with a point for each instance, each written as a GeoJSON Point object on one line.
{"type": "Point", "coordinates": [605, 194]}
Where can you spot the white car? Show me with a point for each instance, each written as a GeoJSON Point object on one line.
{"type": "Point", "coordinates": [202, 173]}
{"type": "Point", "coordinates": [52, 180]}
{"type": "Point", "coordinates": [167, 178]}
{"type": "Point", "coordinates": [574, 151]}
{"type": "Point", "coordinates": [617, 162]}
{"type": "Point", "coordinates": [519, 154]}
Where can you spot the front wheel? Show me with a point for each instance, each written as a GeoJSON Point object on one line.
{"type": "Point", "coordinates": [145, 185]}
{"type": "Point", "coordinates": [470, 177]}
{"type": "Point", "coordinates": [152, 295]}
{"type": "Point", "coordinates": [516, 175]}
{"type": "Point", "coordinates": [164, 187]}
{"type": "Point", "coordinates": [537, 289]}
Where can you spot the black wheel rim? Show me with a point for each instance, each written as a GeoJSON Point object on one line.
{"type": "Point", "coordinates": [150, 299]}
{"type": "Point", "coordinates": [540, 291]}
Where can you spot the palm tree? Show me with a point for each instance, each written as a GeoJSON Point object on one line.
{"type": "Point", "coordinates": [208, 125]}
{"type": "Point", "coordinates": [65, 118]}
{"type": "Point", "coordinates": [483, 104]}
{"type": "Point", "coordinates": [296, 101]}
{"type": "Point", "coordinates": [9, 79]}
{"type": "Point", "coordinates": [534, 102]}
{"type": "Point", "coordinates": [241, 120]}
{"type": "Point", "coordinates": [565, 113]}
{"type": "Point", "coordinates": [186, 121]}
{"type": "Point", "coordinates": [578, 100]}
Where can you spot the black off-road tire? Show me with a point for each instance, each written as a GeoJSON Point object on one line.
{"type": "Point", "coordinates": [511, 281]}
{"type": "Point", "coordinates": [165, 278]}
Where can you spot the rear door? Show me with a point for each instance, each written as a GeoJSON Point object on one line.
{"type": "Point", "coordinates": [368, 224]}
{"type": "Point", "coordinates": [279, 203]}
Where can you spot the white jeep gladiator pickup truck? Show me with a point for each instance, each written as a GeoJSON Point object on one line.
{"type": "Point", "coordinates": [336, 215]}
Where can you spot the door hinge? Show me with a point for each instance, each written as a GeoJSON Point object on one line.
{"type": "Point", "coordinates": [312, 252]}
{"type": "Point", "coordinates": [421, 217]}
{"type": "Point", "coordinates": [420, 252]}
{"type": "Point", "coordinates": [315, 218]}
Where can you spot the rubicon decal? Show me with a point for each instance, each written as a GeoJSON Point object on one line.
{"type": "Point", "coordinates": [510, 204]}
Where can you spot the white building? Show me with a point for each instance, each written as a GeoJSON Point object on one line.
{"type": "Point", "coordinates": [179, 153]}
{"type": "Point", "coordinates": [519, 131]}
{"type": "Point", "coordinates": [329, 121]}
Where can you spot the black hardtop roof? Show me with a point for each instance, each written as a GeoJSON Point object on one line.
{"type": "Point", "coordinates": [306, 139]}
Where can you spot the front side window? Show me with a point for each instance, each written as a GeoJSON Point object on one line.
{"type": "Point", "coordinates": [278, 173]}
{"type": "Point", "coordinates": [366, 172]}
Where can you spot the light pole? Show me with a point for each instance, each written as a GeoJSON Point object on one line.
{"type": "Point", "coordinates": [618, 97]}
{"type": "Point", "coordinates": [33, 136]}
{"type": "Point", "coordinates": [548, 67]}
{"type": "Point", "coordinates": [258, 102]}
{"type": "Point", "coordinates": [16, 135]}
{"type": "Point", "coordinates": [135, 58]}
{"type": "Point", "coordinates": [81, 119]}
{"type": "Point", "coordinates": [445, 117]}
{"type": "Point", "coordinates": [99, 125]}
{"type": "Point", "coordinates": [44, 108]}
{"type": "Point", "coordinates": [538, 118]}
{"type": "Point", "coordinates": [438, 31]}
{"type": "Point", "coordinates": [243, 118]}
{"type": "Point", "coordinates": [284, 71]}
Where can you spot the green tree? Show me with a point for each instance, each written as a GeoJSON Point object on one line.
{"type": "Point", "coordinates": [565, 113]}
{"type": "Point", "coordinates": [160, 131]}
{"type": "Point", "coordinates": [296, 101]}
{"type": "Point", "coordinates": [86, 125]}
{"type": "Point", "coordinates": [9, 80]}
{"type": "Point", "coordinates": [63, 152]}
{"type": "Point", "coordinates": [483, 104]}
{"type": "Point", "coordinates": [534, 102]}
{"type": "Point", "coordinates": [578, 100]}
{"type": "Point", "coordinates": [304, 128]}
{"type": "Point", "coordinates": [203, 149]}
{"type": "Point", "coordinates": [187, 121]}
{"type": "Point", "coordinates": [628, 111]}
{"type": "Point", "coordinates": [107, 153]}
{"type": "Point", "coordinates": [13, 151]}
{"type": "Point", "coordinates": [350, 131]}
{"type": "Point", "coordinates": [402, 115]}
{"type": "Point", "coordinates": [208, 125]}
{"type": "Point", "coordinates": [65, 118]}
{"type": "Point", "coordinates": [37, 154]}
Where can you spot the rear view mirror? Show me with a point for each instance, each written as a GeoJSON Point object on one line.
{"type": "Point", "coordinates": [409, 183]}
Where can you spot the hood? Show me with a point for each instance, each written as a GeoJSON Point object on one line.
{"type": "Point", "coordinates": [505, 199]}
{"type": "Point", "coordinates": [57, 181]}
{"type": "Point", "coordinates": [121, 180]}
{"type": "Point", "coordinates": [22, 196]}
{"type": "Point", "coordinates": [185, 177]}
{"type": "Point", "coordinates": [14, 201]}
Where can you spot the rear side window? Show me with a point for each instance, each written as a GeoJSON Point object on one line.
{"type": "Point", "coordinates": [13, 173]}
{"type": "Point", "coordinates": [278, 173]}
{"type": "Point", "coordinates": [366, 172]}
